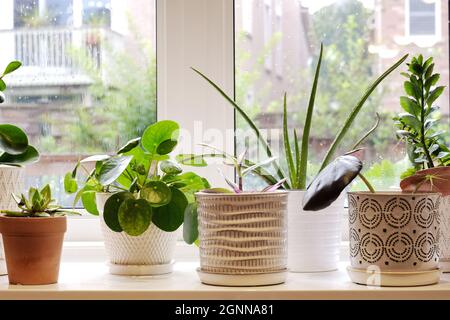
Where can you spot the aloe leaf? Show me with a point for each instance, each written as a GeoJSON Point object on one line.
{"type": "Point", "coordinates": [287, 145]}
{"type": "Point", "coordinates": [257, 165]}
{"type": "Point", "coordinates": [368, 133]}
{"type": "Point", "coordinates": [340, 136]}
{"type": "Point", "coordinates": [297, 160]}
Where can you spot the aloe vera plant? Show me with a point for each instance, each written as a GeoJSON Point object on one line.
{"type": "Point", "coordinates": [297, 159]}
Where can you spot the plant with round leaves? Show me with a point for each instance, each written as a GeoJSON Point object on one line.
{"type": "Point", "coordinates": [147, 187]}
{"type": "Point", "coordinates": [417, 124]}
{"type": "Point", "coordinates": [38, 204]}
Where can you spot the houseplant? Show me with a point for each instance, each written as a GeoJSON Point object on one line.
{"type": "Point", "coordinates": [33, 238]}
{"type": "Point", "coordinates": [242, 233]}
{"type": "Point", "coordinates": [394, 236]}
{"type": "Point", "coordinates": [15, 152]}
{"type": "Point", "coordinates": [427, 151]}
{"type": "Point", "coordinates": [143, 199]}
{"type": "Point", "coordinates": [312, 253]}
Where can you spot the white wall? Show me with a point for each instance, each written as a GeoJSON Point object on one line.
{"type": "Point", "coordinates": [6, 38]}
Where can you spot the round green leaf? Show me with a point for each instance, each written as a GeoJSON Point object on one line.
{"type": "Point", "coordinates": [157, 193]}
{"type": "Point", "coordinates": [171, 216]}
{"type": "Point", "coordinates": [112, 168]}
{"type": "Point", "coordinates": [190, 224]}
{"type": "Point", "coordinates": [170, 167]}
{"type": "Point", "coordinates": [89, 203]}
{"type": "Point", "coordinates": [160, 133]}
{"type": "Point", "coordinates": [135, 216]}
{"type": "Point", "coordinates": [2, 88]}
{"type": "Point", "coordinates": [12, 66]}
{"type": "Point", "coordinates": [30, 155]}
{"type": "Point", "coordinates": [130, 145]}
{"type": "Point", "coordinates": [70, 184]}
{"type": "Point", "coordinates": [111, 209]}
{"type": "Point", "coordinates": [12, 139]}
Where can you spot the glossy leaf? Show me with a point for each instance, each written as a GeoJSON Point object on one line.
{"type": "Point", "coordinates": [170, 217]}
{"type": "Point", "coordinates": [190, 224]}
{"type": "Point", "coordinates": [170, 167]}
{"type": "Point", "coordinates": [30, 155]}
{"type": "Point", "coordinates": [157, 193]}
{"type": "Point", "coordinates": [112, 168]}
{"type": "Point", "coordinates": [70, 184]}
{"type": "Point", "coordinates": [111, 209]}
{"type": "Point", "coordinates": [2, 88]}
{"type": "Point", "coordinates": [89, 203]}
{"type": "Point", "coordinates": [13, 140]}
{"type": "Point", "coordinates": [11, 67]}
{"type": "Point", "coordinates": [129, 145]}
{"type": "Point", "coordinates": [157, 136]}
{"type": "Point", "coordinates": [135, 216]}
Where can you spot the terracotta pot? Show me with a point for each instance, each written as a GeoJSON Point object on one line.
{"type": "Point", "coordinates": [394, 238]}
{"type": "Point", "coordinates": [441, 185]}
{"type": "Point", "coordinates": [243, 238]}
{"type": "Point", "coordinates": [11, 181]}
{"type": "Point", "coordinates": [33, 248]}
{"type": "Point", "coordinates": [151, 253]}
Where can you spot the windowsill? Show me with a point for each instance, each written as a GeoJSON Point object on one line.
{"type": "Point", "coordinates": [89, 279]}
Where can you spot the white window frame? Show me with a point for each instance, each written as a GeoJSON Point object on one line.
{"type": "Point", "coordinates": [247, 16]}
{"type": "Point", "coordinates": [268, 32]}
{"type": "Point", "coordinates": [278, 24]}
{"type": "Point", "coordinates": [438, 20]}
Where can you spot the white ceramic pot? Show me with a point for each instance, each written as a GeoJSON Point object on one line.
{"type": "Point", "coordinates": [11, 181]}
{"type": "Point", "coordinates": [314, 237]}
{"type": "Point", "coordinates": [148, 254]}
{"type": "Point", "coordinates": [242, 238]}
{"type": "Point", "coordinates": [444, 237]}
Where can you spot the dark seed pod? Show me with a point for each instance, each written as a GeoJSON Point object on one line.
{"type": "Point", "coordinates": [330, 182]}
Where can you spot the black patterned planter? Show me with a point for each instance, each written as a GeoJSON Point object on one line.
{"type": "Point", "coordinates": [394, 238]}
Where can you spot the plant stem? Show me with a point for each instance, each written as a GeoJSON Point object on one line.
{"type": "Point", "coordinates": [368, 133]}
{"type": "Point", "coordinates": [366, 182]}
{"type": "Point", "coordinates": [422, 127]}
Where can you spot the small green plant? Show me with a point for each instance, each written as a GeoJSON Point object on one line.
{"type": "Point", "coordinates": [417, 125]}
{"type": "Point", "coordinates": [38, 204]}
{"type": "Point", "coordinates": [297, 159]}
{"type": "Point", "coordinates": [147, 187]}
{"type": "Point", "coordinates": [11, 67]}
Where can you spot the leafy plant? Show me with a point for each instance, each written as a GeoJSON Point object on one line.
{"type": "Point", "coordinates": [417, 125]}
{"type": "Point", "coordinates": [38, 204]}
{"type": "Point", "coordinates": [11, 67]}
{"type": "Point", "coordinates": [298, 160]}
{"type": "Point", "coordinates": [147, 187]}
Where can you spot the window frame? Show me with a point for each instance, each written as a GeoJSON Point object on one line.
{"type": "Point", "coordinates": [437, 23]}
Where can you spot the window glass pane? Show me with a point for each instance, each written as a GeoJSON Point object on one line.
{"type": "Point", "coordinates": [361, 40]}
{"type": "Point", "coordinates": [422, 19]}
{"type": "Point", "coordinates": [88, 81]}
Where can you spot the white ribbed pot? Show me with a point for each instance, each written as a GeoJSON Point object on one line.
{"type": "Point", "coordinates": [148, 254]}
{"type": "Point", "coordinates": [314, 237]}
{"type": "Point", "coordinates": [12, 180]}
{"type": "Point", "coordinates": [242, 238]}
{"type": "Point", "coordinates": [444, 237]}
{"type": "Point", "coordinates": [394, 238]}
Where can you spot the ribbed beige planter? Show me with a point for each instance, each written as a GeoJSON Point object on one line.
{"type": "Point", "coordinates": [445, 234]}
{"type": "Point", "coordinates": [394, 238]}
{"type": "Point", "coordinates": [11, 181]}
{"type": "Point", "coordinates": [243, 238]}
{"type": "Point", "coordinates": [148, 254]}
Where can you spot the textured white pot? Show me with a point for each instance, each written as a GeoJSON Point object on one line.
{"type": "Point", "coordinates": [314, 237]}
{"type": "Point", "coordinates": [148, 254]}
{"type": "Point", "coordinates": [11, 181]}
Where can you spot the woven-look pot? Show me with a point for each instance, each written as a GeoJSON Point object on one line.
{"type": "Point", "coordinates": [151, 253]}
{"type": "Point", "coordinates": [11, 181]}
{"type": "Point", "coordinates": [243, 240]}
{"type": "Point", "coordinates": [33, 248]}
{"type": "Point", "coordinates": [394, 238]}
{"type": "Point", "coordinates": [314, 237]}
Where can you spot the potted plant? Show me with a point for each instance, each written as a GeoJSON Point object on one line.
{"type": "Point", "coordinates": [242, 234]}
{"type": "Point", "coordinates": [394, 236]}
{"type": "Point", "coordinates": [319, 251]}
{"type": "Point", "coordinates": [427, 151]}
{"type": "Point", "coordinates": [143, 199]}
{"type": "Point", "coordinates": [33, 238]}
{"type": "Point", "coordinates": [15, 152]}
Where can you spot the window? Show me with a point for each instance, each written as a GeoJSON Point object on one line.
{"type": "Point", "coordinates": [422, 18]}
{"type": "Point", "coordinates": [247, 16]}
{"type": "Point", "coordinates": [88, 81]}
{"type": "Point", "coordinates": [268, 34]}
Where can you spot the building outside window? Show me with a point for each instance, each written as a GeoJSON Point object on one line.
{"type": "Point", "coordinates": [422, 18]}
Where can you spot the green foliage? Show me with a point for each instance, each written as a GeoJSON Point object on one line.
{"type": "Point", "coordinates": [146, 187]}
{"type": "Point", "coordinates": [417, 126]}
{"type": "Point", "coordinates": [38, 204]}
{"type": "Point", "coordinates": [11, 67]}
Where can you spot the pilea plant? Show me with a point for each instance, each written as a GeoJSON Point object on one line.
{"type": "Point", "coordinates": [14, 147]}
{"type": "Point", "coordinates": [38, 204]}
{"type": "Point", "coordinates": [147, 187]}
{"type": "Point", "coordinates": [296, 156]}
{"type": "Point", "coordinates": [417, 125]}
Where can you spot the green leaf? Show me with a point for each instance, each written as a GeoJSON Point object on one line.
{"type": "Point", "coordinates": [257, 165]}
{"type": "Point", "coordinates": [2, 86]}
{"type": "Point", "coordinates": [195, 160]}
{"type": "Point", "coordinates": [95, 158]}
{"type": "Point", "coordinates": [160, 133]}
{"type": "Point", "coordinates": [434, 95]}
{"type": "Point", "coordinates": [287, 145]}
{"type": "Point", "coordinates": [135, 216]}
{"type": "Point", "coordinates": [296, 184]}
{"type": "Point", "coordinates": [13, 140]}
{"type": "Point", "coordinates": [190, 224]}
{"type": "Point", "coordinates": [112, 168]}
{"type": "Point", "coordinates": [410, 106]}
{"type": "Point", "coordinates": [89, 203]}
{"type": "Point", "coordinates": [70, 184]}
{"type": "Point", "coordinates": [12, 66]}
{"type": "Point", "coordinates": [429, 71]}
{"type": "Point", "coordinates": [170, 167]}
{"type": "Point", "coordinates": [410, 89]}
{"type": "Point", "coordinates": [411, 121]}
{"type": "Point", "coordinates": [111, 209]}
{"type": "Point", "coordinates": [166, 147]}
{"type": "Point", "coordinates": [431, 81]}
{"type": "Point", "coordinates": [157, 193]}
{"type": "Point", "coordinates": [30, 155]}
{"type": "Point", "coordinates": [170, 217]}
{"type": "Point", "coordinates": [129, 145]}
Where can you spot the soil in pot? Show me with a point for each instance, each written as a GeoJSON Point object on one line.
{"type": "Point", "coordinates": [33, 248]}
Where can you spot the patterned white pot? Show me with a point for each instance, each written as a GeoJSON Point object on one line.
{"type": "Point", "coordinates": [12, 180]}
{"type": "Point", "coordinates": [148, 254]}
{"type": "Point", "coordinates": [242, 238]}
{"type": "Point", "coordinates": [314, 237]}
{"type": "Point", "coordinates": [444, 236]}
